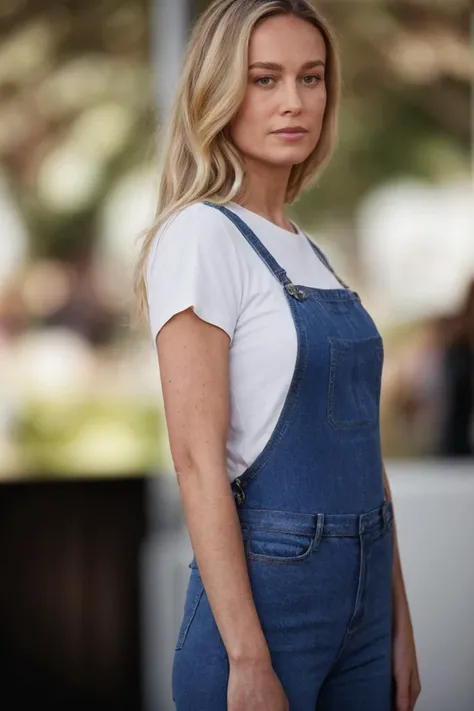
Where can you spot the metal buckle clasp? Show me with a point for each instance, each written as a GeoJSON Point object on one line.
{"type": "Point", "coordinates": [293, 290]}
{"type": "Point", "coordinates": [240, 497]}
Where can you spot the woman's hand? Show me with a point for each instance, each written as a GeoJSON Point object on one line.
{"type": "Point", "coordinates": [405, 666]}
{"type": "Point", "coordinates": [254, 686]}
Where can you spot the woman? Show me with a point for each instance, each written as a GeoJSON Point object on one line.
{"type": "Point", "coordinates": [270, 369]}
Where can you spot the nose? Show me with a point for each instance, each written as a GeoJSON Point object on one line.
{"type": "Point", "coordinates": [291, 100]}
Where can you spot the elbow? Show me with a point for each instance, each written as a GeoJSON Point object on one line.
{"type": "Point", "coordinates": [198, 465]}
{"type": "Point", "coordinates": [184, 462]}
{"type": "Point", "coordinates": [188, 462]}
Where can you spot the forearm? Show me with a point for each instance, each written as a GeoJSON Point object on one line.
{"type": "Point", "coordinates": [398, 585]}
{"type": "Point", "coordinates": [216, 537]}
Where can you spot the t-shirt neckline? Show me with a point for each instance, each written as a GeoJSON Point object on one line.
{"type": "Point", "coordinates": [268, 222]}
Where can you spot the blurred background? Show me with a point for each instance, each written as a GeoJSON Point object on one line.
{"type": "Point", "coordinates": [89, 509]}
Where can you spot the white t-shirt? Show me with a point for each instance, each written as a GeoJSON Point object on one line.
{"type": "Point", "coordinates": [202, 260]}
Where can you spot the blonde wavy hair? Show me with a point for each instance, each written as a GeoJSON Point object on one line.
{"type": "Point", "coordinates": [199, 161]}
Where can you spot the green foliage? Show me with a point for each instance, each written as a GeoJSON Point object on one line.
{"type": "Point", "coordinates": [63, 438]}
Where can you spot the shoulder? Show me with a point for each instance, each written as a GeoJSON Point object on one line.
{"type": "Point", "coordinates": [197, 233]}
{"type": "Point", "coordinates": [195, 221]}
{"type": "Point", "coordinates": [193, 262]}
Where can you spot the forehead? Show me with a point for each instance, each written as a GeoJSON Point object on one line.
{"type": "Point", "coordinates": [286, 39]}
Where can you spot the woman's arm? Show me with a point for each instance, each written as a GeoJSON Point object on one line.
{"type": "Point", "coordinates": [194, 370]}
{"type": "Point", "coordinates": [398, 586]}
{"type": "Point", "coordinates": [405, 663]}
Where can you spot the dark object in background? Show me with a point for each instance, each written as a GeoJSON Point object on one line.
{"type": "Point", "coordinates": [457, 432]}
{"type": "Point", "coordinates": [70, 596]}
{"type": "Point", "coordinates": [459, 367]}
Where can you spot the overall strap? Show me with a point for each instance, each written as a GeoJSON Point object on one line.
{"type": "Point", "coordinates": [326, 262]}
{"type": "Point", "coordinates": [277, 270]}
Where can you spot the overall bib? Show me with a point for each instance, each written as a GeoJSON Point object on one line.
{"type": "Point", "coordinates": [317, 528]}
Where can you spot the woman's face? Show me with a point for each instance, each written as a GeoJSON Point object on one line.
{"type": "Point", "coordinates": [285, 90]}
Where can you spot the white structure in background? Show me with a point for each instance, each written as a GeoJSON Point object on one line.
{"type": "Point", "coordinates": [160, 562]}
{"type": "Point", "coordinates": [416, 245]}
{"type": "Point", "coordinates": [14, 242]}
{"type": "Point", "coordinates": [170, 21]}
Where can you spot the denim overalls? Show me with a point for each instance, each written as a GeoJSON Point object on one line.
{"type": "Point", "coordinates": [316, 526]}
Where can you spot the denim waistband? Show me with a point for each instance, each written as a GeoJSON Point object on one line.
{"type": "Point", "coordinates": [330, 524]}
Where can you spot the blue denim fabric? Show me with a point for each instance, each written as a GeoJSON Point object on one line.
{"type": "Point", "coordinates": [317, 530]}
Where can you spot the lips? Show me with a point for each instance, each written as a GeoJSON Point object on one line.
{"type": "Point", "coordinates": [291, 129]}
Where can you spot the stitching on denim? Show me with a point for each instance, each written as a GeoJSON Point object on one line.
{"type": "Point", "coordinates": [284, 420]}
{"type": "Point", "coordinates": [319, 532]}
{"type": "Point", "coordinates": [327, 300]}
{"type": "Point", "coordinates": [273, 561]}
{"type": "Point", "coordinates": [292, 513]}
{"type": "Point", "coordinates": [332, 375]}
{"type": "Point", "coordinates": [313, 547]}
{"type": "Point", "coordinates": [278, 560]}
{"type": "Point", "coordinates": [292, 531]}
{"type": "Point", "coordinates": [347, 424]}
{"type": "Point", "coordinates": [335, 295]}
{"type": "Point", "coordinates": [349, 629]}
{"type": "Point", "coordinates": [326, 261]}
{"type": "Point", "coordinates": [340, 424]}
{"type": "Point", "coordinates": [276, 269]}
{"type": "Point", "coordinates": [182, 637]}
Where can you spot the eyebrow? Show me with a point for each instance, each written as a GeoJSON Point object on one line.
{"type": "Point", "coordinates": [279, 68]}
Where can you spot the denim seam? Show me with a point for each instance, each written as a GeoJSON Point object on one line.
{"type": "Point", "coordinates": [326, 261]}
{"type": "Point", "coordinates": [284, 420]}
{"type": "Point", "coordinates": [182, 637]}
{"type": "Point", "coordinates": [261, 557]}
{"type": "Point", "coordinates": [349, 629]}
{"type": "Point", "coordinates": [314, 545]}
{"type": "Point", "coordinates": [342, 297]}
{"type": "Point", "coordinates": [293, 513]}
{"type": "Point", "coordinates": [293, 532]}
{"type": "Point", "coordinates": [274, 561]}
{"type": "Point", "coordinates": [345, 424]}
{"type": "Point", "coordinates": [276, 269]}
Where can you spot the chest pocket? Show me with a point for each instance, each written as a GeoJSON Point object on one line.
{"type": "Point", "coordinates": [355, 374]}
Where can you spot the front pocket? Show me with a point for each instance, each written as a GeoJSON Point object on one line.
{"type": "Point", "coordinates": [193, 597]}
{"type": "Point", "coordinates": [273, 546]}
{"type": "Point", "coordinates": [355, 374]}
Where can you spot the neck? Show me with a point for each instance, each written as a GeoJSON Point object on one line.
{"type": "Point", "coordinates": [266, 192]}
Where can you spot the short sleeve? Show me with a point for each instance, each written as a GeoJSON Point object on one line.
{"type": "Point", "coordinates": [193, 262]}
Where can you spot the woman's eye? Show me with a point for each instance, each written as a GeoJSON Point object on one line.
{"type": "Point", "coordinates": [314, 79]}
{"type": "Point", "coordinates": [264, 81]}
{"type": "Point", "coordinates": [308, 80]}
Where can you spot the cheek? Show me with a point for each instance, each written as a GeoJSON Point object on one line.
{"type": "Point", "coordinates": [322, 100]}
{"type": "Point", "coordinates": [317, 110]}
{"type": "Point", "coordinates": [248, 122]}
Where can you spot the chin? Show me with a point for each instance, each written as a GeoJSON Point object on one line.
{"type": "Point", "coordinates": [288, 158]}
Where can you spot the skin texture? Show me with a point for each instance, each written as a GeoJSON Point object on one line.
{"type": "Point", "coordinates": [405, 665]}
{"type": "Point", "coordinates": [275, 99]}
{"type": "Point", "coordinates": [194, 360]}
